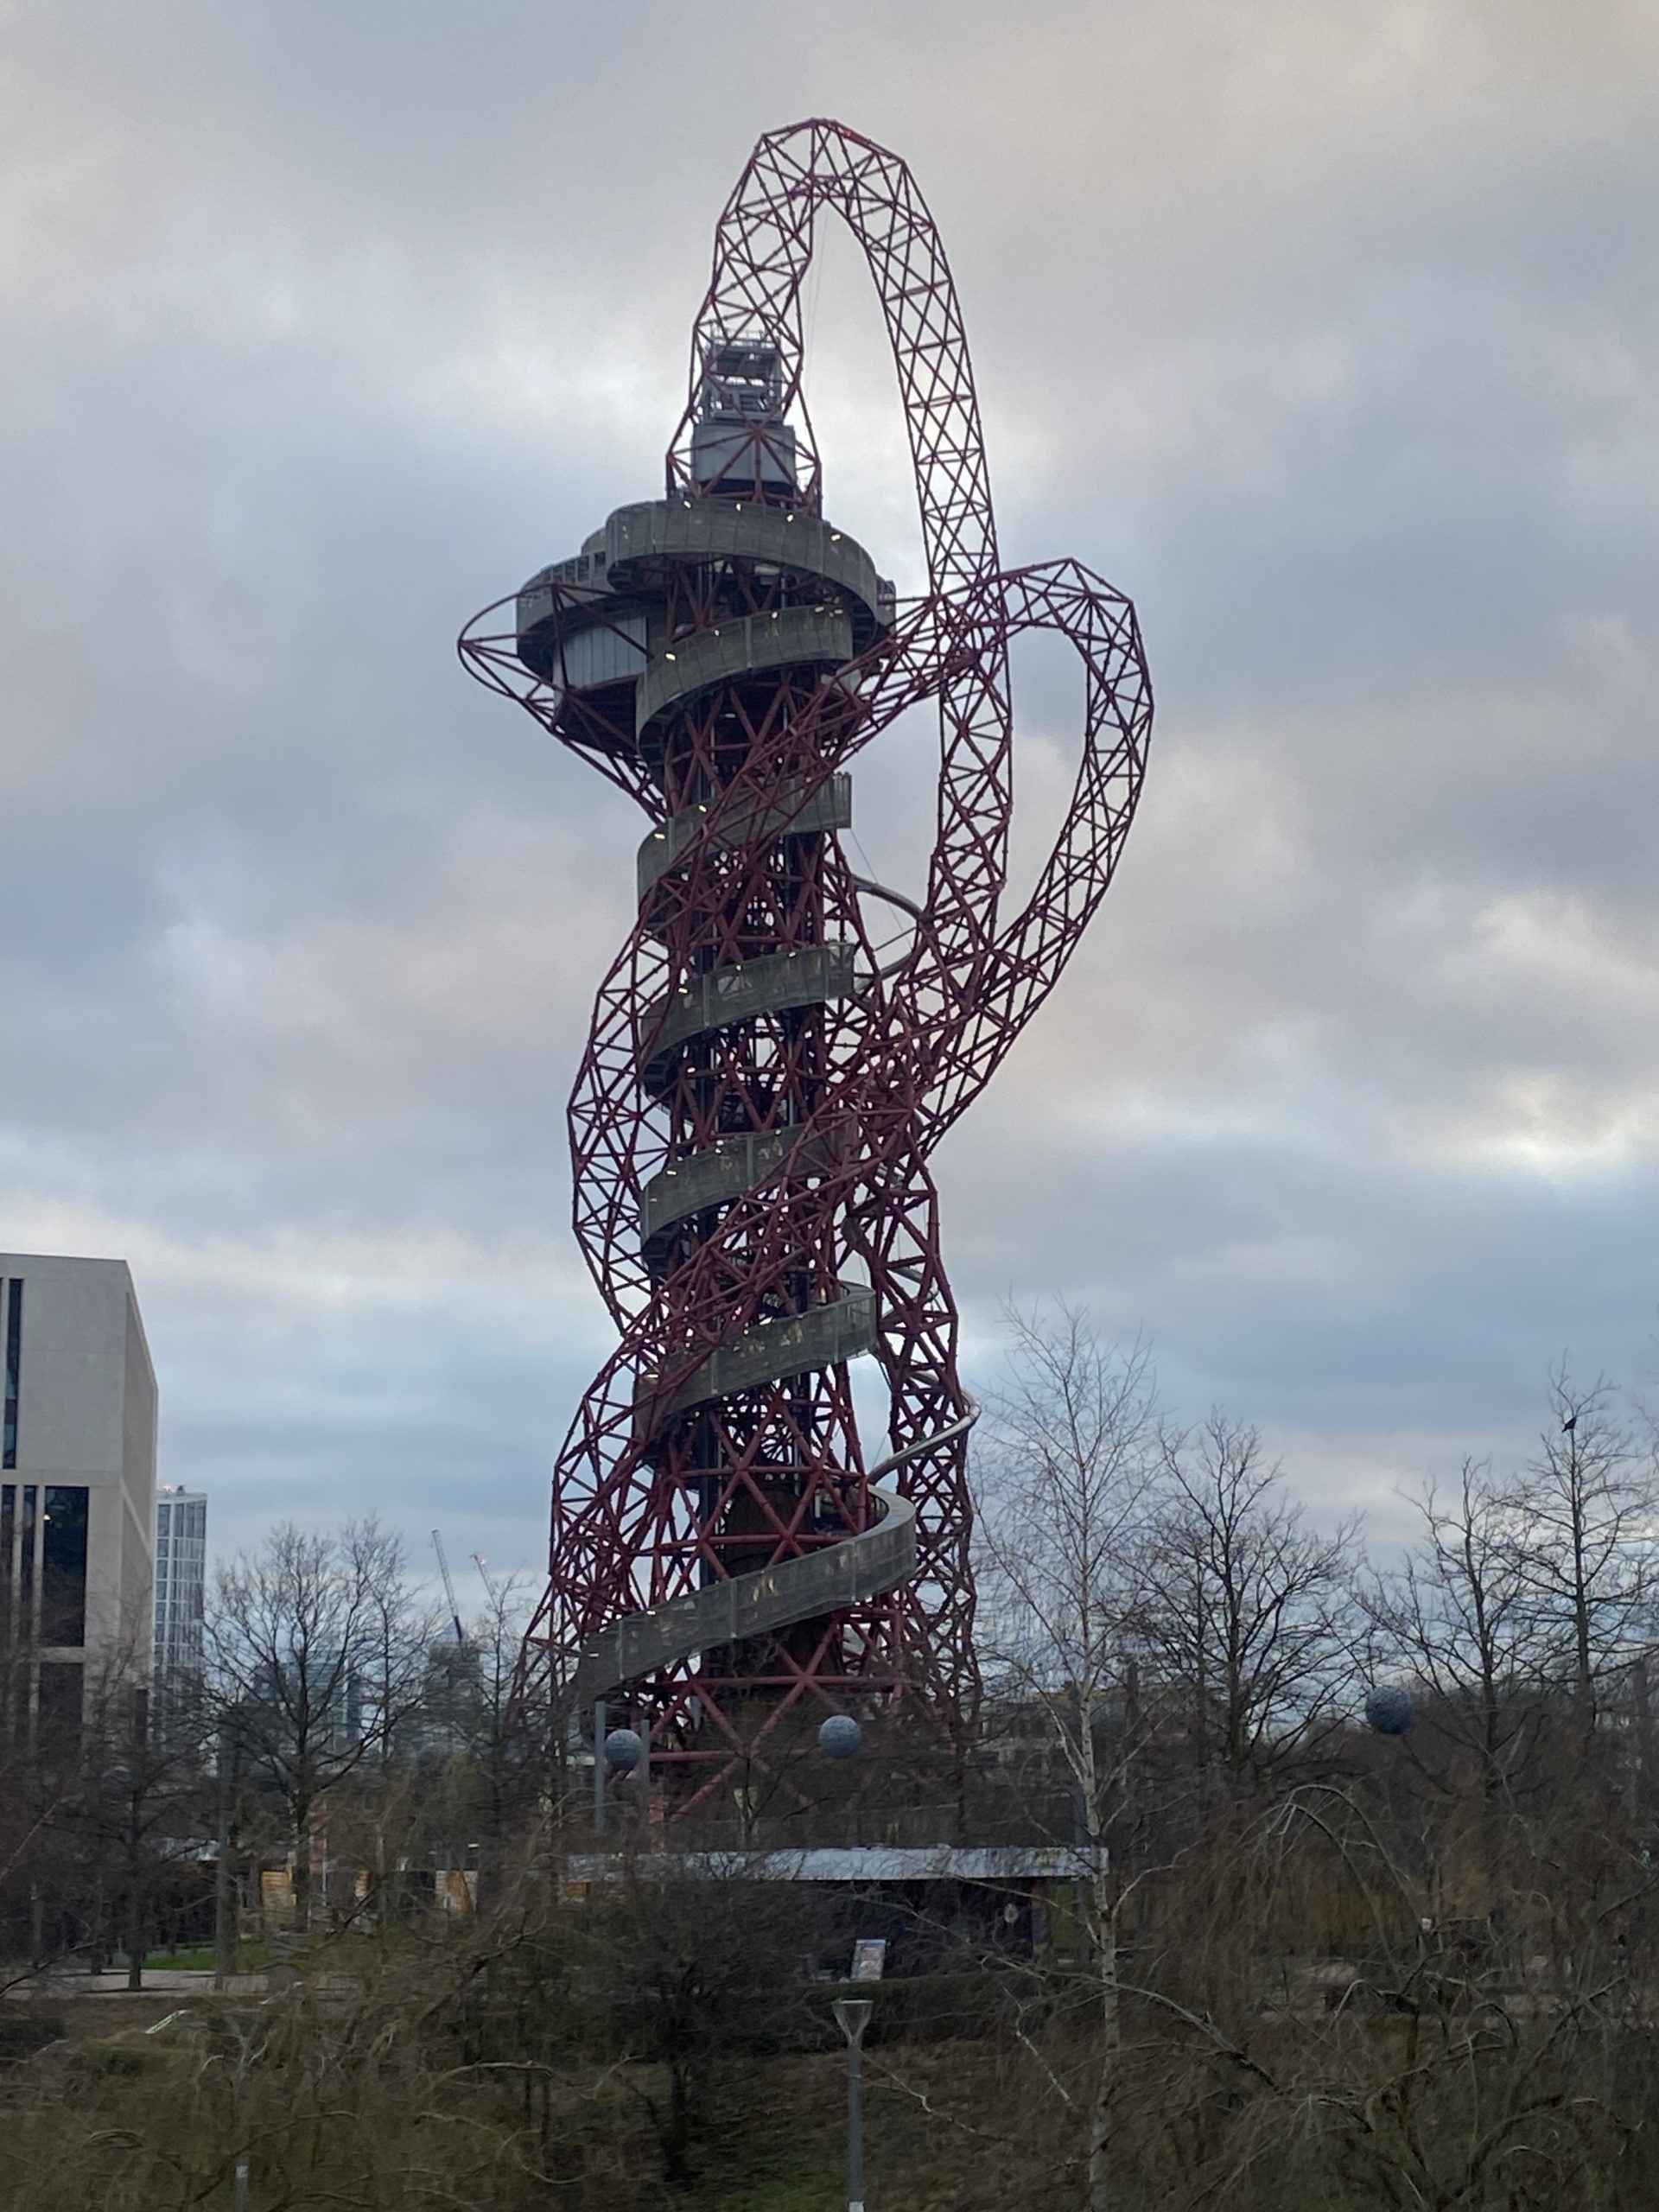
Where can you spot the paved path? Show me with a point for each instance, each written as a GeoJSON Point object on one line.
{"type": "Point", "coordinates": [57, 1988]}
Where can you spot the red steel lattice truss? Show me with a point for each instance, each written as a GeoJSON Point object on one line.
{"type": "Point", "coordinates": [752, 1124]}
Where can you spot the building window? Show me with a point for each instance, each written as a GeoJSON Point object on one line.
{"type": "Point", "coordinates": [60, 1710]}
{"type": "Point", "coordinates": [26, 1566]}
{"type": "Point", "coordinates": [63, 1566]}
{"type": "Point", "coordinates": [7, 1546]}
{"type": "Point", "coordinates": [13, 1364]}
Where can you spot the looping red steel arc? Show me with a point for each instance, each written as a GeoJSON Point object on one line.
{"type": "Point", "coordinates": [752, 1124]}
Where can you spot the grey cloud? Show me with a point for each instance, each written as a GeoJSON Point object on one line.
{"type": "Point", "coordinates": [1331, 339]}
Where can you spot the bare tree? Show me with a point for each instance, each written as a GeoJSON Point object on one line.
{"type": "Point", "coordinates": [143, 1793]}
{"type": "Point", "coordinates": [691, 1975]}
{"type": "Point", "coordinates": [103, 1795]}
{"type": "Point", "coordinates": [316, 1658]}
{"type": "Point", "coordinates": [1459, 1616]}
{"type": "Point", "coordinates": [1586, 1509]}
{"type": "Point", "coordinates": [1067, 1470]}
{"type": "Point", "coordinates": [506, 1758]}
{"type": "Point", "coordinates": [480, 1764]}
{"type": "Point", "coordinates": [1243, 1608]}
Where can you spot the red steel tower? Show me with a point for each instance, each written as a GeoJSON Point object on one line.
{"type": "Point", "coordinates": [765, 1077]}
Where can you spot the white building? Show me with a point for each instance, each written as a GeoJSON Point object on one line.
{"type": "Point", "coordinates": [180, 1582]}
{"type": "Point", "coordinates": [77, 1481]}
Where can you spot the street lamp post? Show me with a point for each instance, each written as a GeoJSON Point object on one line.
{"type": "Point", "coordinates": [853, 2017]}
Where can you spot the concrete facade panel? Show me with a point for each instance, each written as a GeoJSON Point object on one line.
{"type": "Point", "coordinates": [86, 1417]}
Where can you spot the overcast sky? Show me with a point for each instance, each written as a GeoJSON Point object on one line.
{"type": "Point", "coordinates": [1329, 332]}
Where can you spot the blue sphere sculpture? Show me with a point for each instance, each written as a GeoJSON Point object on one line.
{"type": "Point", "coordinates": [1389, 1709]}
{"type": "Point", "coordinates": [624, 1747]}
{"type": "Point", "coordinates": [840, 1736]}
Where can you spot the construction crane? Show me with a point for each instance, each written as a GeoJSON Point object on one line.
{"type": "Point", "coordinates": [449, 1588]}
{"type": "Point", "coordinates": [483, 1577]}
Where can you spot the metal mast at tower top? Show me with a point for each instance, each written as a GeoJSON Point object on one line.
{"type": "Point", "coordinates": [752, 1124]}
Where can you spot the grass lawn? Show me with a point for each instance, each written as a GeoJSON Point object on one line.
{"type": "Point", "coordinates": [250, 1957]}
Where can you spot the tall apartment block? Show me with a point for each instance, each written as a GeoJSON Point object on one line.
{"type": "Point", "coordinates": [180, 1582]}
{"type": "Point", "coordinates": [77, 1485]}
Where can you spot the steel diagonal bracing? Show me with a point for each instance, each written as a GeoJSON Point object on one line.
{"type": "Point", "coordinates": [748, 1042]}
